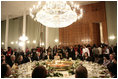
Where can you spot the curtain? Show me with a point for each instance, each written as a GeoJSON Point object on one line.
{"type": "Point", "coordinates": [15, 31]}
{"type": "Point", "coordinates": [33, 32]}
{"type": "Point", "coordinates": [53, 33]}
{"type": "Point", "coordinates": [3, 27]}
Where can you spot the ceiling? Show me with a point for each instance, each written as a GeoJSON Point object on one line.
{"type": "Point", "coordinates": [14, 9]}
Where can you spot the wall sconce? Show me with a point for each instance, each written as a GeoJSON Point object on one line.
{"type": "Point", "coordinates": [112, 37]}
{"type": "Point", "coordinates": [2, 43]}
{"type": "Point", "coordinates": [16, 42]}
{"type": "Point", "coordinates": [42, 44]}
{"type": "Point", "coordinates": [28, 42]}
{"type": "Point", "coordinates": [56, 40]}
{"type": "Point", "coordinates": [34, 41]}
{"type": "Point", "coordinates": [12, 42]}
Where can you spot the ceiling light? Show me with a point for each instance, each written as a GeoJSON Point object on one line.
{"type": "Point", "coordinates": [56, 14]}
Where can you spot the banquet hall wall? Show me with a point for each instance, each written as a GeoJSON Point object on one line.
{"type": "Point", "coordinates": [82, 31]}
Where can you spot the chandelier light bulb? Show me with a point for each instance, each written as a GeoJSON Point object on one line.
{"type": "Point", "coordinates": [21, 44]}
{"type": "Point", "coordinates": [39, 2]}
{"type": "Point", "coordinates": [33, 6]}
{"type": "Point", "coordinates": [28, 42]}
{"type": "Point", "coordinates": [23, 38]}
{"type": "Point", "coordinates": [42, 44]}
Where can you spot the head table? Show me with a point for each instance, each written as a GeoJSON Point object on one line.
{"type": "Point", "coordinates": [94, 70]}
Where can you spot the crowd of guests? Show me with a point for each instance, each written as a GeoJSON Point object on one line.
{"type": "Point", "coordinates": [102, 54]}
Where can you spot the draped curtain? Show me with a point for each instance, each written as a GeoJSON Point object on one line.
{"type": "Point", "coordinates": [15, 31]}
{"type": "Point", "coordinates": [33, 32]}
{"type": "Point", "coordinates": [53, 33]}
{"type": "Point", "coordinates": [3, 27]}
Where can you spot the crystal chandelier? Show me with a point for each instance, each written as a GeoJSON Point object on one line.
{"type": "Point", "coordinates": [56, 14]}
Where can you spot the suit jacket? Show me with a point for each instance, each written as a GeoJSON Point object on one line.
{"type": "Point", "coordinates": [27, 59]}
{"type": "Point", "coordinates": [71, 53]}
{"type": "Point", "coordinates": [87, 59]}
{"type": "Point", "coordinates": [10, 62]}
{"type": "Point", "coordinates": [20, 62]}
{"type": "Point", "coordinates": [37, 58]}
{"type": "Point", "coordinates": [50, 57]}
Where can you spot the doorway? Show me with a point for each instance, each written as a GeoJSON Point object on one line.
{"type": "Point", "coordinates": [96, 33]}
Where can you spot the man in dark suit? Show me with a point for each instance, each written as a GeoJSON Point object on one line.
{"type": "Point", "coordinates": [48, 56]}
{"type": "Point", "coordinates": [28, 57]}
{"type": "Point", "coordinates": [12, 60]}
{"type": "Point", "coordinates": [71, 52]}
{"type": "Point", "coordinates": [37, 57]}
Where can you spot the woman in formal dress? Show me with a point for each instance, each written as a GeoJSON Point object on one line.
{"type": "Point", "coordinates": [86, 57]}
{"type": "Point", "coordinates": [56, 56]}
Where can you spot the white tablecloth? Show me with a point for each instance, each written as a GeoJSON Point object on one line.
{"type": "Point", "coordinates": [94, 69]}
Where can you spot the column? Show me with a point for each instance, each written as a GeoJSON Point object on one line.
{"type": "Point", "coordinates": [6, 34]}
{"type": "Point", "coordinates": [24, 30]}
{"type": "Point", "coordinates": [101, 33]}
{"type": "Point", "coordinates": [41, 35]}
{"type": "Point", "coordinates": [46, 38]}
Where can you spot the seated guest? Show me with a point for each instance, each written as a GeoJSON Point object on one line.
{"type": "Point", "coordinates": [81, 72]}
{"type": "Point", "coordinates": [105, 61]}
{"type": "Point", "coordinates": [12, 60]}
{"type": "Point", "coordinates": [28, 58]}
{"type": "Point", "coordinates": [86, 57]}
{"type": "Point", "coordinates": [39, 72]}
{"type": "Point", "coordinates": [48, 56]}
{"type": "Point", "coordinates": [37, 57]}
{"type": "Point", "coordinates": [3, 62]}
{"type": "Point", "coordinates": [33, 52]}
{"type": "Point", "coordinates": [3, 57]}
{"type": "Point", "coordinates": [112, 58]}
{"type": "Point", "coordinates": [20, 60]}
{"type": "Point", "coordinates": [56, 56]}
{"type": "Point", "coordinates": [5, 70]}
{"type": "Point", "coordinates": [112, 69]}
{"type": "Point", "coordinates": [67, 55]}
{"type": "Point", "coordinates": [76, 55]}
